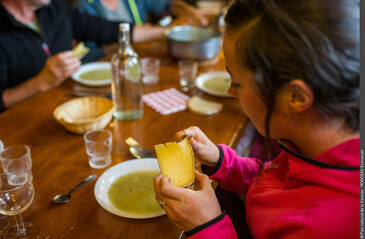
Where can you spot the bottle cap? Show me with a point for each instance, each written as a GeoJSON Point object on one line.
{"type": "Point", "coordinates": [124, 26]}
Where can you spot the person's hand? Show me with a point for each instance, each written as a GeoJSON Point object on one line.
{"type": "Point", "coordinates": [146, 33]}
{"type": "Point", "coordinates": [57, 69]}
{"type": "Point", "coordinates": [206, 151]}
{"type": "Point", "coordinates": [203, 20]}
{"type": "Point", "coordinates": [183, 9]}
{"type": "Point", "coordinates": [110, 49]}
{"type": "Point", "coordinates": [186, 208]}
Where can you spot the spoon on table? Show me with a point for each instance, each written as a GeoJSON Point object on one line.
{"type": "Point", "coordinates": [141, 152]}
{"type": "Point", "coordinates": [63, 198]}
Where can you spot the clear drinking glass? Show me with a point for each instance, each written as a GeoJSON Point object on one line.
{"type": "Point", "coordinates": [17, 158]}
{"type": "Point", "coordinates": [187, 71]}
{"type": "Point", "coordinates": [1, 146]}
{"type": "Point", "coordinates": [99, 145]}
{"type": "Point", "coordinates": [16, 195]}
{"type": "Point", "coordinates": [150, 69]}
{"type": "Point", "coordinates": [4, 220]}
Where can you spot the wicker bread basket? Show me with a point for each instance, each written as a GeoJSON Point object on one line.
{"type": "Point", "coordinates": [83, 114]}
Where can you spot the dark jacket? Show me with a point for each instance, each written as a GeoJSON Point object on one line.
{"type": "Point", "coordinates": [23, 52]}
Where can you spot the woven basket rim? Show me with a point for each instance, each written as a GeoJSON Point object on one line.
{"type": "Point", "coordinates": [83, 121]}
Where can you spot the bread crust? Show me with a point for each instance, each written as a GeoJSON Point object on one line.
{"type": "Point", "coordinates": [176, 160]}
{"type": "Point", "coordinates": [80, 50]}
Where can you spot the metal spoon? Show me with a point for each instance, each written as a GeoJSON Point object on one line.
{"type": "Point", "coordinates": [141, 152]}
{"type": "Point", "coordinates": [63, 198]}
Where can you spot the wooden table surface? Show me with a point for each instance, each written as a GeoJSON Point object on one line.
{"type": "Point", "coordinates": [60, 161]}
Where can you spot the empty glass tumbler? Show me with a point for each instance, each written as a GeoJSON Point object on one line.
{"type": "Point", "coordinates": [99, 146]}
{"type": "Point", "coordinates": [17, 158]}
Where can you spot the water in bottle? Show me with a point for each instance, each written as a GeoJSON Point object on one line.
{"type": "Point", "coordinates": [126, 78]}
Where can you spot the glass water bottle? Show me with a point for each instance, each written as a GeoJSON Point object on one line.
{"type": "Point", "coordinates": [126, 82]}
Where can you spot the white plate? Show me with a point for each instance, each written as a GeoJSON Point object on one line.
{"type": "Point", "coordinates": [90, 67]}
{"type": "Point", "coordinates": [109, 176]}
{"type": "Point", "coordinates": [219, 75]}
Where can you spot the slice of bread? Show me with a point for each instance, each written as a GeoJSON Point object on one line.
{"type": "Point", "coordinates": [176, 161]}
{"type": "Point", "coordinates": [80, 50]}
{"type": "Point", "coordinates": [203, 107]}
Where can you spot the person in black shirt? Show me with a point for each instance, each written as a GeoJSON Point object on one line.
{"type": "Point", "coordinates": [35, 44]}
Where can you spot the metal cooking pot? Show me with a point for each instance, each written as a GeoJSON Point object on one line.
{"type": "Point", "coordinates": [193, 42]}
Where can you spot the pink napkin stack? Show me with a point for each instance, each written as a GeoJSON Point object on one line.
{"type": "Point", "coordinates": [167, 101]}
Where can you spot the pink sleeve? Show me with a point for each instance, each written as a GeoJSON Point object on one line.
{"type": "Point", "coordinates": [221, 229]}
{"type": "Point", "coordinates": [235, 173]}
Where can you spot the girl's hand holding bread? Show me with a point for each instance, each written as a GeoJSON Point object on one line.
{"type": "Point", "coordinates": [207, 153]}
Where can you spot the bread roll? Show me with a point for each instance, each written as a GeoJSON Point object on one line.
{"type": "Point", "coordinates": [176, 161]}
{"type": "Point", "coordinates": [203, 107]}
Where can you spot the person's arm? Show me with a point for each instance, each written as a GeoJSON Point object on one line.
{"type": "Point", "coordinates": [181, 8]}
{"type": "Point", "coordinates": [146, 33]}
{"type": "Point", "coordinates": [56, 70]}
{"type": "Point", "coordinates": [90, 28]}
{"type": "Point", "coordinates": [233, 172]}
{"type": "Point", "coordinates": [17, 94]}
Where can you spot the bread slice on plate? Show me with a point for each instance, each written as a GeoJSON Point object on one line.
{"type": "Point", "coordinates": [176, 160]}
{"type": "Point", "coordinates": [203, 107]}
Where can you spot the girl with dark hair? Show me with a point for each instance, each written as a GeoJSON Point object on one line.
{"type": "Point", "coordinates": [294, 67]}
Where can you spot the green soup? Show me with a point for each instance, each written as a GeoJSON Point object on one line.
{"type": "Point", "coordinates": [220, 84]}
{"type": "Point", "coordinates": [134, 193]}
{"type": "Point", "coordinates": [101, 74]}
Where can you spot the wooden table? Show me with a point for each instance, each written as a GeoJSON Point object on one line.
{"type": "Point", "coordinates": [60, 160]}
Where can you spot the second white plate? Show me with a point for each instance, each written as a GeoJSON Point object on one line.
{"type": "Point", "coordinates": [109, 176]}
{"type": "Point", "coordinates": [89, 67]}
{"type": "Point", "coordinates": [214, 83]}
